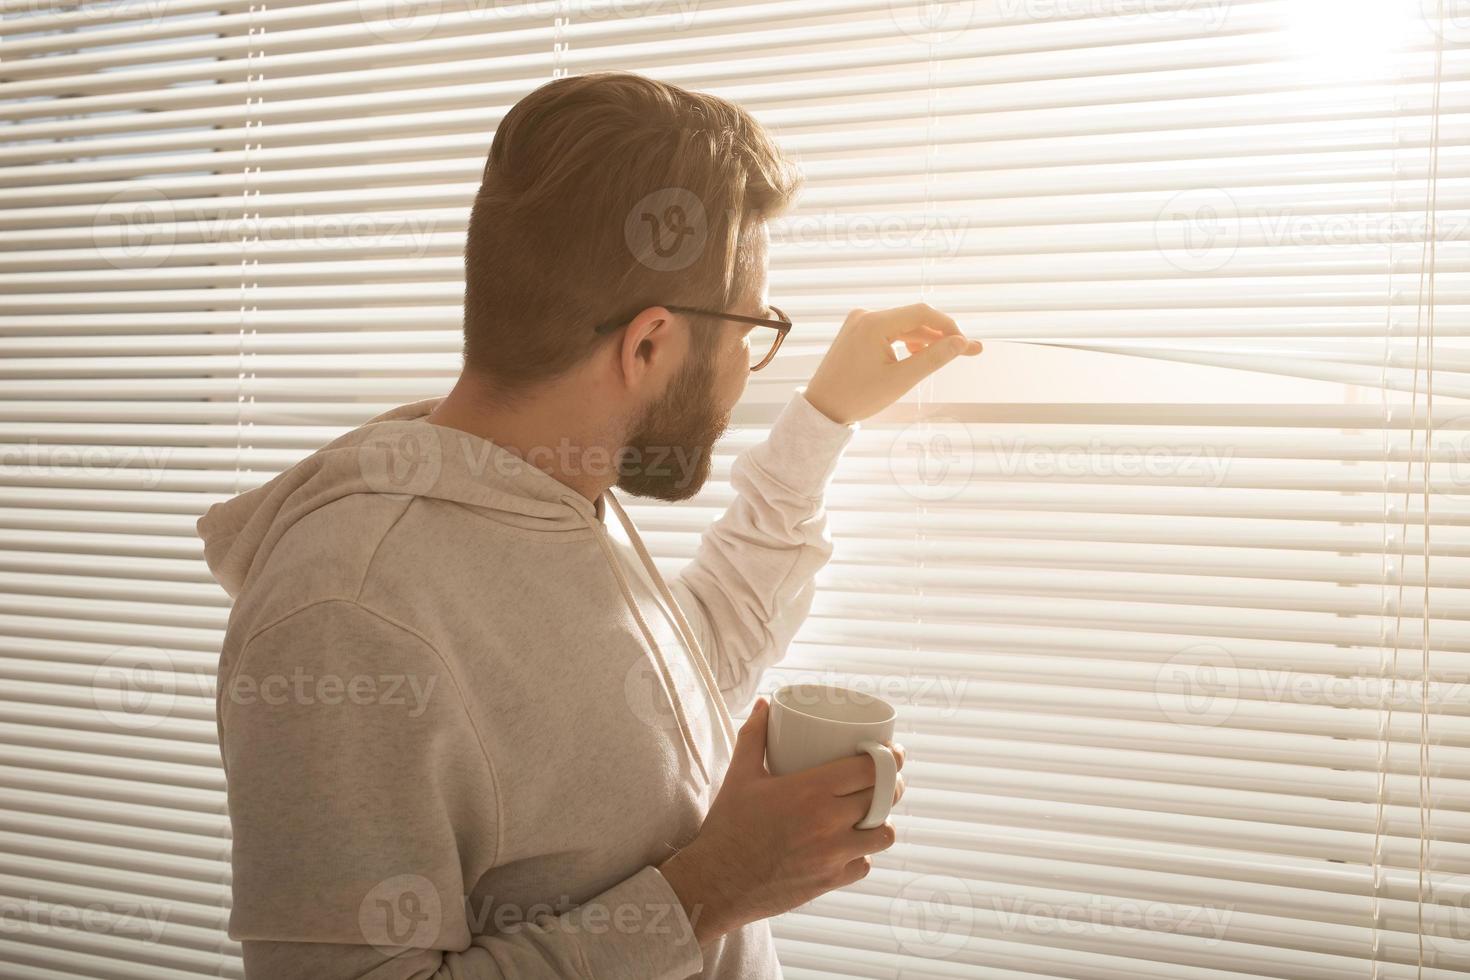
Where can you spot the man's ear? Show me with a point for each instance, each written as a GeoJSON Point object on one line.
{"type": "Point", "coordinates": [649, 345]}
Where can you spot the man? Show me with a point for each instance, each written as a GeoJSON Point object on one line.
{"type": "Point", "coordinates": [469, 733]}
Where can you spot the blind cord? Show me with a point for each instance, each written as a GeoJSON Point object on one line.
{"type": "Point", "coordinates": [1426, 313]}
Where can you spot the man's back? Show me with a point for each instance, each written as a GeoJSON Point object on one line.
{"type": "Point", "coordinates": [440, 720]}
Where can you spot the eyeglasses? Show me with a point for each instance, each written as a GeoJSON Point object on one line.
{"type": "Point", "coordinates": [761, 352]}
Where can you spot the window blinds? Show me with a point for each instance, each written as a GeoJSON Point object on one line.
{"type": "Point", "coordinates": [1170, 584]}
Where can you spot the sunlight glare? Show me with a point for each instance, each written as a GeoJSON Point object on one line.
{"type": "Point", "coordinates": [1346, 39]}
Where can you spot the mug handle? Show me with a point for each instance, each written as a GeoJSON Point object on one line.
{"type": "Point", "coordinates": [883, 789]}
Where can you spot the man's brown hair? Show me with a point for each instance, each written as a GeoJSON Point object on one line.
{"type": "Point", "coordinates": [604, 194]}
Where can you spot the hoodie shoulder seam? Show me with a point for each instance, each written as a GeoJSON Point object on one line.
{"type": "Point", "coordinates": [367, 566]}
{"type": "Point", "coordinates": [448, 669]}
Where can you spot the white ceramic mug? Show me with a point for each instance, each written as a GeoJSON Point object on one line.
{"type": "Point", "coordinates": [813, 724]}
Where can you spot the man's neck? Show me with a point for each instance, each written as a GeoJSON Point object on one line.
{"type": "Point", "coordinates": [551, 431]}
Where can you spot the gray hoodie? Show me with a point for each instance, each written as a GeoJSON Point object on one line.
{"type": "Point", "coordinates": [462, 721]}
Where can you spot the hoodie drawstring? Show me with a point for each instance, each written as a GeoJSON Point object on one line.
{"type": "Point", "coordinates": [612, 560]}
{"type": "Point", "coordinates": [691, 641]}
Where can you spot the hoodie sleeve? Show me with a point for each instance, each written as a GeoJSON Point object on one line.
{"type": "Point", "coordinates": [363, 808]}
{"type": "Point", "coordinates": [751, 582]}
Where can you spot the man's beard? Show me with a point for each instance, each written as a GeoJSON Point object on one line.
{"type": "Point", "coordinates": [668, 455]}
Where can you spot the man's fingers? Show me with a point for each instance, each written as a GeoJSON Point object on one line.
{"type": "Point", "coordinates": [919, 338]}
{"type": "Point", "coordinates": [898, 787]}
{"type": "Point", "coordinates": [872, 840]}
{"type": "Point", "coordinates": [919, 365]}
{"type": "Point", "coordinates": [854, 773]}
{"type": "Point", "coordinates": [847, 775]}
{"type": "Point", "coordinates": [917, 342]}
{"type": "Point", "coordinates": [848, 811]}
{"type": "Point", "coordinates": [851, 808]}
{"type": "Point", "coordinates": [893, 324]}
{"type": "Point", "coordinates": [920, 327]}
{"type": "Point", "coordinates": [866, 794]}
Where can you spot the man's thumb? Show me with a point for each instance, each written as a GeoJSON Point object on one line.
{"type": "Point", "coordinates": [750, 742]}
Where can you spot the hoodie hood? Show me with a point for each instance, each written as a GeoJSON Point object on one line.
{"type": "Point", "coordinates": [400, 452]}
{"type": "Point", "coordinates": [395, 452]}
